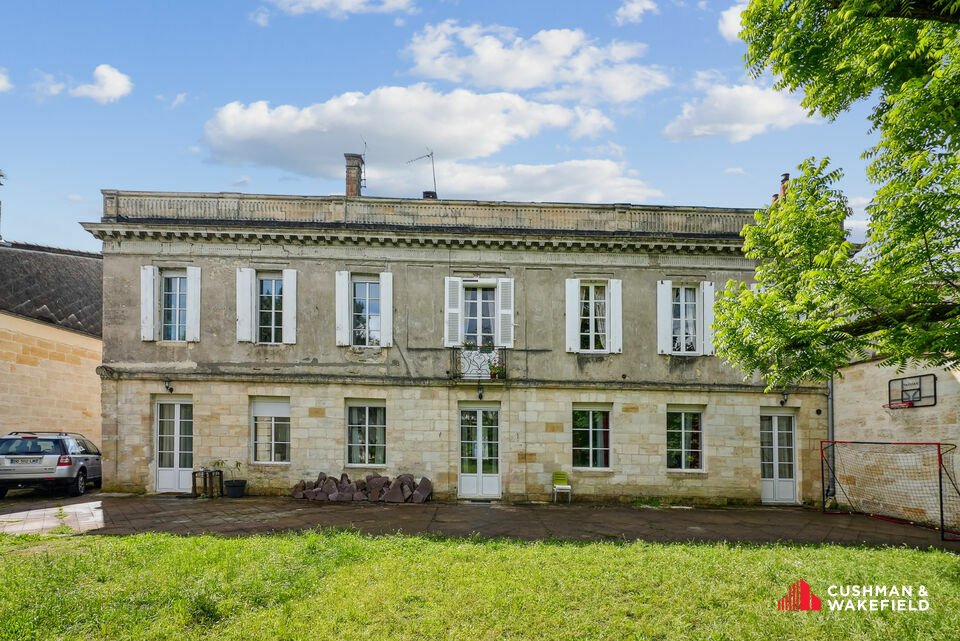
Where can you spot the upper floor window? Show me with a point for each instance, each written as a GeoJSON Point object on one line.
{"type": "Point", "coordinates": [169, 304]}
{"type": "Point", "coordinates": [479, 315]}
{"type": "Point", "coordinates": [174, 307]}
{"type": "Point", "coordinates": [478, 312]}
{"type": "Point", "coordinates": [684, 318]}
{"type": "Point", "coordinates": [594, 316]}
{"type": "Point", "coordinates": [270, 309]}
{"type": "Point", "coordinates": [364, 312]}
{"type": "Point", "coordinates": [267, 306]}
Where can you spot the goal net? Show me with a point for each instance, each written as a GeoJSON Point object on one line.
{"type": "Point", "coordinates": [910, 482]}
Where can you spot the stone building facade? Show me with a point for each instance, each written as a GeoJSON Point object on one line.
{"type": "Point", "coordinates": [50, 347]}
{"type": "Point", "coordinates": [484, 345]}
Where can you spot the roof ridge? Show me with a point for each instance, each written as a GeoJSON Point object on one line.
{"type": "Point", "coordinates": [12, 244]}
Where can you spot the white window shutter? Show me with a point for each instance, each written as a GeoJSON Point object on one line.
{"type": "Point", "coordinates": [452, 311]}
{"type": "Point", "coordinates": [572, 301]}
{"type": "Point", "coordinates": [707, 299]}
{"type": "Point", "coordinates": [246, 281]}
{"type": "Point", "coordinates": [193, 304]}
{"type": "Point", "coordinates": [505, 312]}
{"type": "Point", "coordinates": [386, 309]}
{"type": "Point", "coordinates": [664, 317]}
{"type": "Point", "coordinates": [149, 295]}
{"type": "Point", "coordinates": [615, 310]}
{"type": "Point", "coordinates": [344, 307]}
{"type": "Point", "coordinates": [289, 327]}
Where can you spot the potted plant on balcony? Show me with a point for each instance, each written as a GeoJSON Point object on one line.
{"type": "Point", "coordinates": [497, 370]}
{"type": "Point", "coordinates": [233, 487]}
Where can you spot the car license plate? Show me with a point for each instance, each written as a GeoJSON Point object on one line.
{"type": "Point", "coordinates": [25, 461]}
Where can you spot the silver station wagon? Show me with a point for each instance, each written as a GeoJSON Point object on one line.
{"type": "Point", "coordinates": [49, 459]}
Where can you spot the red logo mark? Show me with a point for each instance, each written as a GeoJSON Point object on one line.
{"type": "Point", "coordinates": [799, 597]}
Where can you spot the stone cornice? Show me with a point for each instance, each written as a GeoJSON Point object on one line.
{"type": "Point", "coordinates": [403, 236]}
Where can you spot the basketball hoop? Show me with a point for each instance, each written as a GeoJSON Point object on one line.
{"type": "Point", "coordinates": [899, 405]}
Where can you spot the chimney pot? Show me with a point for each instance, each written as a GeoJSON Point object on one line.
{"type": "Point", "coordinates": [784, 179]}
{"type": "Point", "coordinates": [354, 174]}
{"type": "Point", "coordinates": [429, 195]}
{"type": "Point", "coordinates": [776, 197]}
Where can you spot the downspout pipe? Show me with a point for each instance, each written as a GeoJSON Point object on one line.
{"type": "Point", "coordinates": [831, 489]}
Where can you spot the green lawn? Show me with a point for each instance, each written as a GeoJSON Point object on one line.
{"type": "Point", "coordinates": [338, 585]}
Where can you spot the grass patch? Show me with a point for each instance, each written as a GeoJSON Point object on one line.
{"type": "Point", "coordinates": [344, 585]}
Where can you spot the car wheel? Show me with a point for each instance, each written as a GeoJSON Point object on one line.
{"type": "Point", "coordinates": [79, 484]}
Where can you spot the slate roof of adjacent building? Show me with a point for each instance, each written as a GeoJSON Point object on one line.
{"type": "Point", "coordinates": [58, 286]}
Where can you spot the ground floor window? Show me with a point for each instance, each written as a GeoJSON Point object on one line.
{"type": "Point", "coordinates": [271, 430]}
{"type": "Point", "coordinates": [684, 440]}
{"type": "Point", "coordinates": [366, 435]}
{"type": "Point", "coordinates": [591, 437]}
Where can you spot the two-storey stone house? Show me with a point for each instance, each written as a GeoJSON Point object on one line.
{"type": "Point", "coordinates": [481, 344]}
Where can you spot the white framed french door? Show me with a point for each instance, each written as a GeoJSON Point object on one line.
{"type": "Point", "coordinates": [479, 453]}
{"type": "Point", "coordinates": [174, 446]}
{"type": "Point", "coordinates": [778, 482]}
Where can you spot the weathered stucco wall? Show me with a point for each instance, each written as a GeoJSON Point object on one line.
{"type": "Point", "coordinates": [48, 378]}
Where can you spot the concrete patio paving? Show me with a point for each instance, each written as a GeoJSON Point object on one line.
{"type": "Point", "coordinates": [99, 513]}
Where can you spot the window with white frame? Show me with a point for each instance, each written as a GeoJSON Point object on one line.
{"type": "Point", "coordinates": [267, 306]}
{"type": "Point", "coordinates": [594, 322]}
{"type": "Point", "coordinates": [479, 315]}
{"type": "Point", "coordinates": [685, 317]}
{"type": "Point", "coordinates": [169, 304]}
{"type": "Point", "coordinates": [478, 312]}
{"type": "Point", "coordinates": [684, 334]}
{"type": "Point", "coordinates": [364, 309]}
{"type": "Point", "coordinates": [684, 440]}
{"type": "Point", "coordinates": [366, 434]}
{"type": "Point", "coordinates": [270, 418]}
{"type": "Point", "coordinates": [591, 437]}
{"type": "Point", "coordinates": [173, 301]}
{"type": "Point", "coordinates": [593, 317]}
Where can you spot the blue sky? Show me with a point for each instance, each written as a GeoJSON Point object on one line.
{"type": "Point", "coordinates": [642, 101]}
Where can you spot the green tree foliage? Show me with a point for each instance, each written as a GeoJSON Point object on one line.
{"type": "Point", "coordinates": [817, 305]}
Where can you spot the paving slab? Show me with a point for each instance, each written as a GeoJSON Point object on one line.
{"type": "Point", "coordinates": [102, 513]}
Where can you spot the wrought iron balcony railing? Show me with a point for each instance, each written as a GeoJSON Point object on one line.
{"type": "Point", "coordinates": [478, 363]}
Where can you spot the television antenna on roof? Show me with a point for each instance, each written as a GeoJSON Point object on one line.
{"type": "Point", "coordinates": [433, 167]}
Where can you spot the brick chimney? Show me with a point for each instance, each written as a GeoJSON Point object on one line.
{"type": "Point", "coordinates": [354, 174]}
{"type": "Point", "coordinates": [784, 179]}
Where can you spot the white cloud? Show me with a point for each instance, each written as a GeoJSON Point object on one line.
{"type": "Point", "coordinates": [178, 100]}
{"type": "Point", "coordinates": [75, 198]}
{"type": "Point", "coordinates": [109, 85]}
{"type": "Point", "coordinates": [735, 171]}
{"type": "Point", "coordinates": [343, 8]}
{"type": "Point", "coordinates": [5, 84]}
{"type": "Point", "coordinates": [397, 122]}
{"type": "Point", "coordinates": [242, 181]}
{"type": "Point", "coordinates": [729, 23]}
{"type": "Point", "coordinates": [633, 10]}
{"type": "Point", "coordinates": [592, 181]}
{"type": "Point", "coordinates": [47, 86]}
{"type": "Point", "coordinates": [562, 63]}
{"type": "Point", "coordinates": [737, 113]}
{"type": "Point", "coordinates": [260, 17]}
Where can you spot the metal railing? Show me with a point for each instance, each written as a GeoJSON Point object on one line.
{"type": "Point", "coordinates": [478, 363]}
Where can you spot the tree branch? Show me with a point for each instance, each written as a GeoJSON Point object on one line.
{"type": "Point", "coordinates": [933, 314]}
{"type": "Point", "coordinates": [930, 10]}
